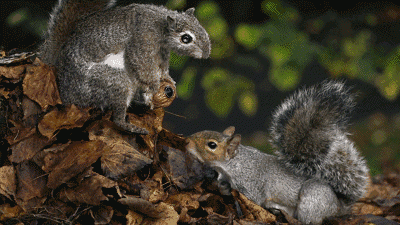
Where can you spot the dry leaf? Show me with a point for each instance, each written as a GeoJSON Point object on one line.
{"type": "Point", "coordinates": [140, 205]}
{"type": "Point", "coordinates": [216, 219]}
{"type": "Point", "coordinates": [161, 214]}
{"type": "Point", "coordinates": [122, 159]}
{"type": "Point", "coordinates": [149, 189]}
{"type": "Point", "coordinates": [58, 211]}
{"type": "Point", "coordinates": [103, 130]}
{"type": "Point", "coordinates": [89, 191]}
{"type": "Point", "coordinates": [74, 159]}
{"type": "Point", "coordinates": [31, 188]}
{"type": "Point", "coordinates": [363, 208]}
{"type": "Point", "coordinates": [40, 85]}
{"type": "Point", "coordinates": [184, 200]}
{"type": "Point", "coordinates": [167, 138]}
{"type": "Point", "coordinates": [362, 219]}
{"type": "Point", "coordinates": [31, 111]}
{"type": "Point", "coordinates": [383, 190]}
{"type": "Point", "coordinates": [8, 185]}
{"type": "Point", "coordinates": [257, 212]}
{"type": "Point", "coordinates": [134, 218]}
{"type": "Point", "coordinates": [379, 192]}
{"type": "Point", "coordinates": [390, 206]}
{"type": "Point", "coordinates": [214, 204]}
{"type": "Point", "coordinates": [5, 93]}
{"type": "Point", "coordinates": [152, 121]}
{"type": "Point", "coordinates": [183, 203]}
{"type": "Point", "coordinates": [27, 148]}
{"type": "Point", "coordinates": [14, 73]}
{"type": "Point", "coordinates": [166, 216]}
{"type": "Point", "coordinates": [69, 118]}
{"type": "Point", "coordinates": [46, 160]}
{"type": "Point", "coordinates": [19, 133]}
{"type": "Point", "coordinates": [8, 212]}
{"type": "Point", "coordinates": [184, 217]}
{"type": "Point", "coordinates": [102, 214]}
{"type": "Point", "coordinates": [246, 222]}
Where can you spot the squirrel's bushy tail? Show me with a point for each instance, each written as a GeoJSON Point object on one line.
{"type": "Point", "coordinates": [62, 22]}
{"type": "Point", "coordinates": [309, 131]}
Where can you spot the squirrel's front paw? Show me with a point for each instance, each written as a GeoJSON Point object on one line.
{"type": "Point", "coordinates": [224, 187]}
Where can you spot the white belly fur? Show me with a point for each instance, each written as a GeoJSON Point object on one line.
{"type": "Point", "coordinates": [115, 60]}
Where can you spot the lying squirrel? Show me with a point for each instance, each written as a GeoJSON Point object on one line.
{"type": "Point", "coordinates": [316, 173]}
{"type": "Point", "coordinates": [108, 56]}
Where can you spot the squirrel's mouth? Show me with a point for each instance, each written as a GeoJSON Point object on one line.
{"type": "Point", "coordinates": [198, 54]}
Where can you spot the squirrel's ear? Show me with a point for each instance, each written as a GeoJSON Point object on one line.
{"type": "Point", "coordinates": [171, 22]}
{"type": "Point", "coordinates": [229, 131]}
{"type": "Point", "coordinates": [190, 12]}
{"type": "Point", "coordinates": [233, 145]}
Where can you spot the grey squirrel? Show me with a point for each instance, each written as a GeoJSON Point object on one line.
{"type": "Point", "coordinates": [108, 56]}
{"type": "Point", "coordinates": [316, 173]}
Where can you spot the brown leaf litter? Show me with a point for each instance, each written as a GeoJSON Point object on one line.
{"type": "Point", "coordinates": [64, 164]}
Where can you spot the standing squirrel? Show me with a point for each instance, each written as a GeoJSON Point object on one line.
{"type": "Point", "coordinates": [108, 56]}
{"type": "Point", "coordinates": [316, 173]}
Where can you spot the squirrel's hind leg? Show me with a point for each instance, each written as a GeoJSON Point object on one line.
{"type": "Point", "coordinates": [316, 202]}
{"type": "Point", "coordinates": [119, 118]}
{"type": "Point", "coordinates": [111, 88]}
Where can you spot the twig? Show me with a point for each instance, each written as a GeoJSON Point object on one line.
{"type": "Point", "coordinates": [184, 117]}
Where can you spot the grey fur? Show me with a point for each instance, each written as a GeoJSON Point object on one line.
{"type": "Point", "coordinates": [309, 132]}
{"type": "Point", "coordinates": [304, 180]}
{"type": "Point", "coordinates": [119, 54]}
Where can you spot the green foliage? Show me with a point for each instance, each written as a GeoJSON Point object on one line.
{"type": "Point", "coordinates": [209, 15]}
{"type": "Point", "coordinates": [175, 4]}
{"type": "Point", "coordinates": [389, 81]}
{"type": "Point", "coordinates": [377, 137]}
{"type": "Point", "coordinates": [187, 83]}
{"type": "Point", "coordinates": [177, 62]}
{"type": "Point", "coordinates": [22, 17]}
{"type": "Point", "coordinates": [17, 17]}
{"type": "Point", "coordinates": [248, 36]}
{"type": "Point", "coordinates": [223, 89]}
{"type": "Point", "coordinates": [207, 9]}
{"type": "Point", "coordinates": [284, 78]}
{"type": "Point", "coordinates": [248, 103]}
{"type": "Point", "coordinates": [289, 51]}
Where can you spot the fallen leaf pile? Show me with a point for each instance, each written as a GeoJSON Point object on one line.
{"type": "Point", "coordinates": [71, 165]}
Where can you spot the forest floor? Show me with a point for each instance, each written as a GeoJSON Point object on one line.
{"type": "Point", "coordinates": [66, 165]}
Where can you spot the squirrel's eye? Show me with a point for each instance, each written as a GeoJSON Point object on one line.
{"type": "Point", "coordinates": [186, 38]}
{"type": "Point", "coordinates": [212, 145]}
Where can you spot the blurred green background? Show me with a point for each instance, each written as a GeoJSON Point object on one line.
{"type": "Point", "coordinates": [261, 52]}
